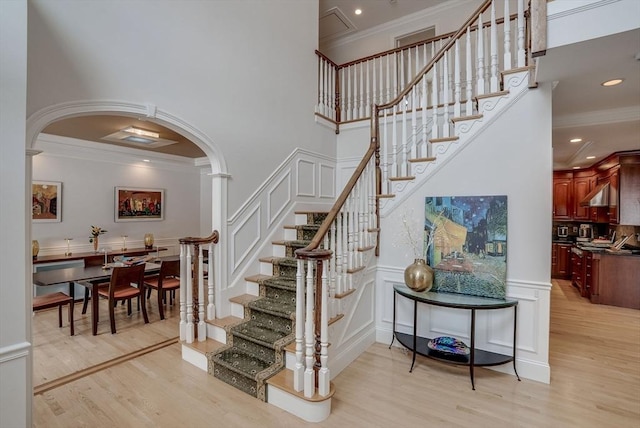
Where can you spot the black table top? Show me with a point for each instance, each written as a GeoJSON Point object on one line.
{"type": "Point", "coordinates": [81, 273]}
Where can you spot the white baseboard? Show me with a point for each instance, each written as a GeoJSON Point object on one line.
{"type": "Point", "coordinates": [310, 411]}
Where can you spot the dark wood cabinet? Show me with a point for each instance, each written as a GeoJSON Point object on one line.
{"type": "Point", "coordinates": [582, 185]}
{"type": "Point", "coordinates": [560, 260]}
{"type": "Point", "coordinates": [562, 196]}
{"type": "Point", "coordinates": [577, 271]}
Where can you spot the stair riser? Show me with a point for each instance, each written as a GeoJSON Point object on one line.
{"type": "Point", "coordinates": [259, 351]}
{"type": "Point", "coordinates": [232, 378]}
{"type": "Point", "coordinates": [273, 322]}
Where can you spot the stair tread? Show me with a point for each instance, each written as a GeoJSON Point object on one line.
{"type": "Point", "coordinates": [283, 380]}
{"type": "Point", "coordinates": [209, 345]}
{"type": "Point", "coordinates": [274, 307]}
{"type": "Point", "coordinates": [258, 278]}
{"type": "Point", "coordinates": [259, 333]}
{"type": "Point", "coordinates": [244, 299]}
{"type": "Point", "coordinates": [241, 362]}
{"type": "Point", "coordinates": [225, 321]}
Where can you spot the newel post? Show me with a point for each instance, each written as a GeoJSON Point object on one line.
{"type": "Point", "coordinates": [312, 303]}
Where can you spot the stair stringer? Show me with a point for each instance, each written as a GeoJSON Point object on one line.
{"type": "Point", "coordinates": [490, 108]}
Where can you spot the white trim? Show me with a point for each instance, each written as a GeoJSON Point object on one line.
{"type": "Point", "coordinates": [14, 352]}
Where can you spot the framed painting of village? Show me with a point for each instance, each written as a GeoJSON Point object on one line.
{"type": "Point", "coordinates": [138, 204]}
{"type": "Point", "coordinates": [46, 201]}
{"type": "Point", "coordinates": [468, 245]}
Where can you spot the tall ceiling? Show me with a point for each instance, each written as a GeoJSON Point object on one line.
{"type": "Point", "coordinates": [607, 119]}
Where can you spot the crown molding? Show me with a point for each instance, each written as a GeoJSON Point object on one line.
{"type": "Point", "coordinates": [73, 148]}
{"type": "Point", "coordinates": [600, 117]}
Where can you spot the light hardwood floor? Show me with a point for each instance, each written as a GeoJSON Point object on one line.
{"type": "Point", "coordinates": [594, 358]}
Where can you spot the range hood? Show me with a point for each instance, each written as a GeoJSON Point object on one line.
{"type": "Point", "coordinates": [598, 197]}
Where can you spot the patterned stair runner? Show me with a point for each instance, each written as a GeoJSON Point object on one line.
{"type": "Point", "coordinates": [255, 347]}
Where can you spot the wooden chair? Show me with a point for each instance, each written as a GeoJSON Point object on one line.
{"type": "Point", "coordinates": [167, 280]}
{"type": "Point", "coordinates": [121, 288]}
{"type": "Point", "coordinates": [52, 300]}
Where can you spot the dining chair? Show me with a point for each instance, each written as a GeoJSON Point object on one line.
{"type": "Point", "coordinates": [167, 280]}
{"type": "Point", "coordinates": [52, 300]}
{"type": "Point", "coordinates": [121, 287]}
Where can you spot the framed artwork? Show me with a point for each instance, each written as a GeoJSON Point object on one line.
{"type": "Point", "coordinates": [46, 201]}
{"type": "Point", "coordinates": [139, 204]}
{"type": "Point", "coordinates": [466, 244]}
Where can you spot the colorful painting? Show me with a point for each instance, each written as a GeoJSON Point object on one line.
{"type": "Point", "coordinates": [46, 201]}
{"type": "Point", "coordinates": [137, 204]}
{"type": "Point", "coordinates": [466, 244]}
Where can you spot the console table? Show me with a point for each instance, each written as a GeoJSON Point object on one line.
{"type": "Point", "coordinates": [477, 357]}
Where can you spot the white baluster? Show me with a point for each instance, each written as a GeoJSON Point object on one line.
{"type": "Point", "coordinates": [469, 75]}
{"type": "Point", "coordinates": [183, 292]}
{"type": "Point", "coordinates": [403, 139]}
{"type": "Point", "coordinates": [389, 78]}
{"type": "Point", "coordinates": [190, 332]}
{"type": "Point", "coordinates": [343, 94]}
{"type": "Point", "coordinates": [211, 305]}
{"type": "Point", "coordinates": [395, 172]}
{"type": "Point", "coordinates": [367, 105]}
{"type": "Point", "coordinates": [507, 37]}
{"type": "Point", "coordinates": [445, 95]}
{"type": "Point", "coordinates": [374, 87]}
{"type": "Point", "coordinates": [349, 101]}
{"type": "Point", "coordinates": [333, 269]}
{"type": "Point", "coordinates": [434, 102]}
{"type": "Point", "coordinates": [324, 374]}
{"type": "Point", "coordinates": [457, 72]}
{"type": "Point", "coordinates": [494, 49]}
{"type": "Point", "coordinates": [480, 52]}
{"type": "Point", "coordinates": [298, 371]}
{"type": "Point", "coordinates": [361, 94]}
{"type": "Point", "coordinates": [424, 152]}
{"type": "Point", "coordinates": [385, 154]}
{"type": "Point", "coordinates": [322, 93]}
{"type": "Point", "coordinates": [339, 254]}
{"type": "Point", "coordinates": [521, 24]}
{"type": "Point", "coordinates": [202, 327]}
{"type": "Point", "coordinates": [309, 376]}
{"type": "Point", "coordinates": [414, 128]}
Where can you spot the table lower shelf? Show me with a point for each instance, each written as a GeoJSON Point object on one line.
{"type": "Point", "coordinates": [481, 357]}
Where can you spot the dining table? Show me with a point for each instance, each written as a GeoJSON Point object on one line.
{"type": "Point", "coordinates": [87, 276]}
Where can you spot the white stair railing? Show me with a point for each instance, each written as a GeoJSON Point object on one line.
{"type": "Point", "coordinates": [192, 287]}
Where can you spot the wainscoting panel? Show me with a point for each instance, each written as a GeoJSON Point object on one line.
{"type": "Point", "coordinates": [306, 178]}
{"type": "Point", "coordinates": [327, 181]}
{"type": "Point", "coordinates": [245, 236]}
{"type": "Point", "coordinates": [278, 197]}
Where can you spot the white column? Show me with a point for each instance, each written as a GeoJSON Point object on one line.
{"type": "Point", "coordinates": [309, 375]}
{"type": "Point", "coordinates": [211, 301]}
{"type": "Point", "coordinates": [183, 291]}
{"type": "Point", "coordinates": [202, 328]}
{"type": "Point", "coordinates": [298, 371]}
{"type": "Point", "coordinates": [324, 374]}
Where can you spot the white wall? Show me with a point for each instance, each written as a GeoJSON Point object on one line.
{"type": "Point", "coordinates": [243, 73]}
{"type": "Point", "coordinates": [511, 156]}
{"type": "Point", "coordinates": [89, 173]}
{"type": "Point", "coordinates": [15, 327]}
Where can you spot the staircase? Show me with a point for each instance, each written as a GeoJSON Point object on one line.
{"type": "Point", "coordinates": [255, 347]}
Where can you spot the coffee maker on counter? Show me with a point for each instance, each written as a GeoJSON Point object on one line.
{"type": "Point", "coordinates": [585, 233]}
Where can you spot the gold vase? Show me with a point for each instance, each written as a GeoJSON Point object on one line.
{"type": "Point", "coordinates": [95, 244]}
{"type": "Point", "coordinates": [419, 276]}
{"type": "Point", "coordinates": [148, 241]}
{"type": "Point", "coordinates": [35, 248]}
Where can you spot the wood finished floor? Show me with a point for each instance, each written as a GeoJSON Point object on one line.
{"type": "Point", "coordinates": [594, 358]}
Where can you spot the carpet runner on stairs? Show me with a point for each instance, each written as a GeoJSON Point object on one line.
{"type": "Point", "coordinates": [255, 347]}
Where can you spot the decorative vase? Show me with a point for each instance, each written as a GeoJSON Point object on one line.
{"type": "Point", "coordinates": [148, 241]}
{"type": "Point", "coordinates": [419, 276]}
{"type": "Point", "coordinates": [35, 248]}
{"type": "Point", "coordinates": [95, 244]}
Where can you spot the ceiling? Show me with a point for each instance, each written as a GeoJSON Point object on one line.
{"type": "Point", "coordinates": [607, 119]}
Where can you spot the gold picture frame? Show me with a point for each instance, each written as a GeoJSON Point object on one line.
{"type": "Point", "coordinates": [46, 201]}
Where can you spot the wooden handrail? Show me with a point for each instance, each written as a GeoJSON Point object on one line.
{"type": "Point", "coordinates": [211, 238]}
{"type": "Point", "coordinates": [333, 213]}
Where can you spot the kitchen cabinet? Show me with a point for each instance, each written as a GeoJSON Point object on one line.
{"type": "Point", "coordinates": [614, 280]}
{"type": "Point", "coordinates": [577, 270]}
{"type": "Point", "coordinates": [560, 260]}
{"type": "Point", "coordinates": [582, 185]}
{"type": "Point", "coordinates": [562, 196]}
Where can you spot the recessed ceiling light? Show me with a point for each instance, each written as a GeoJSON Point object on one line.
{"type": "Point", "coordinates": [575, 140]}
{"type": "Point", "coordinates": [146, 160]}
{"type": "Point", "coordinates": [358, 11]}
{"type": "Point", "coordinates": [591, 157]}
{"type": "Point", "coordinates": [576, 167]}
{"type": "Point", "coordinates": [612, 82]}
{"type": "Point", "coordinates": [142, 132]}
